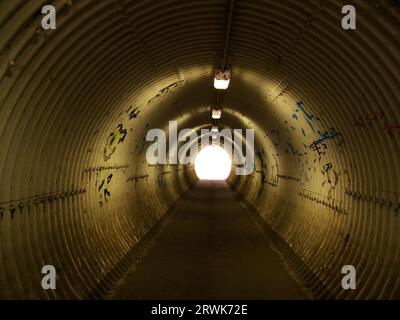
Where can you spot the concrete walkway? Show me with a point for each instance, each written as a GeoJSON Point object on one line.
{"type": "Point", "coordinates": [209, 249]}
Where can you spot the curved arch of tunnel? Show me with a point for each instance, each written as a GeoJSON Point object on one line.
{"type": "Point", "coordinates": [76, 104]}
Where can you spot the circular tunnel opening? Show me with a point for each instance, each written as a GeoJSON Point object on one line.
{"type": "Point", "coordinates": [213, 163]}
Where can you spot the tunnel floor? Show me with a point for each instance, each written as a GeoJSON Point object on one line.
{"type": "Point", "coordinates": [210, 248]}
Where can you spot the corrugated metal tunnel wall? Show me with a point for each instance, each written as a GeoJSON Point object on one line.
{"type": "Point", "coordinates": [76, 103]}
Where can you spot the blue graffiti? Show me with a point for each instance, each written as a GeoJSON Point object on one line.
{"type": "Point", "coordinates": [308, 117]}
{"type": "Point", "coordinates": [330, 134]}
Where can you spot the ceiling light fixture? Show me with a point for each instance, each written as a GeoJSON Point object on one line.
{"type": "Point", "coordinates": [216, 114]}
{"type": "Point", "coordinates": [222, 79]}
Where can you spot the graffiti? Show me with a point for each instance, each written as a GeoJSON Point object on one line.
{"type": "Point", "coordinates": [330, 134]}
{"type": "Point", "coordinates": [368, 119]}
{"type": "Point", "coordinates": [103, 186]}
{"type": "Point", "coordinates": [134, 113]}
{"type": "Point", "coordinates": [389, 128]}
{"type": "Point", "coordinates": [307, 116]}
{"type": "Point", "coordinates": [292, 150]}
{"type": "Point", "coordinates": [330, 174]}
{"type": "Point", "coordinates": [109, 177]}
{"type": "Point", "coordinates": [115, 138]}
{"type": "Point", "coordinates": [319, 146]}
{"type": "Point", "coordinates": [320, 150]}
{"type": "Point", "coordinates": [137, 178]}
{"type": "Point", "coordinates": [376, 117]}
{"type": "Point", "coordinates": [165, 91]}
{"type": "Point", "coordinates": [332, 178]}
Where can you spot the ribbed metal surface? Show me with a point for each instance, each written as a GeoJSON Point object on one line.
{"type": "Point", "coordinates": [340, 76]}
{"type": "Point", "coordinates": [63, 92]}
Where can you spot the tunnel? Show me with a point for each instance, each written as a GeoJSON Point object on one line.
{"type": "Point", "coordinates": [79, 197]}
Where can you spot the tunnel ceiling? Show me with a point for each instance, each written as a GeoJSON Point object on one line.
{"type": "Point", "coordinates": [76, 103]}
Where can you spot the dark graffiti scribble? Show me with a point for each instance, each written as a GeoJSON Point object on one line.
{"type": "Point", "coordinates": [376, 117]}
{"type": "Point", "coordinates": [292, 150]}
{"type": "Point", "coordinates": [101, 185]}
{"type": "Point", "coordinates": [134, 113]}
{"type": "Point", "coordinates": [115, 138]}
{"type": "Point", "coordinates": [330, 134]}
{"type": "Point", "coordinates": [320, 150]}
{"type": "Point", "coordinates": [103, 189]}
{"type": "Point", "coordinates": [166, 90]}
{"type": "Point", "coordinates": [368, 119]}
{"type": "Point", "coordinates": [137, 178]}
{"type": "Point", "coordinates": [109, 178]}
{"type": "Point", "coordinates": [107, 194]}
{"type": "Point", "coordinates": [389, 128]}
{"type": "Point", "coordinates": [332, 177]}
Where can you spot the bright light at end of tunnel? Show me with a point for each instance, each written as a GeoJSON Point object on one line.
{"type": "Point", "coordinates": [213, 163]}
